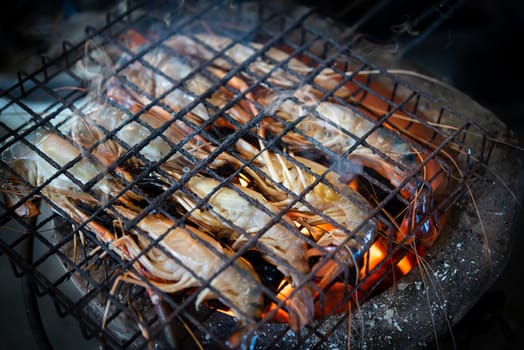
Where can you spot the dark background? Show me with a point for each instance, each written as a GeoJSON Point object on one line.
{"type": "Point", "coordinates": [475, 48]}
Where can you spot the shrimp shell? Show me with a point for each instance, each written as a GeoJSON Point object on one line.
{"type": "Point", "coordinates": [199, 258]}
{"type": "Point", "coordinates": [240, 53]}
{"type": "Point", "coordinates": [280, 246]}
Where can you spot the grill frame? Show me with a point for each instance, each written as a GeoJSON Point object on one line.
{"type": "Point", "coordinates": [66, 103]}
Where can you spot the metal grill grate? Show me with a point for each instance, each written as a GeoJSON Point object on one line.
{"type": "Point", "coordinates": [44, 103]}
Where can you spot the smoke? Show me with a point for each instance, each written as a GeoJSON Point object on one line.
{"type": "Point", "coordinates": [298, 102]}
{"type": "Point", "coordinates": [346, 168]}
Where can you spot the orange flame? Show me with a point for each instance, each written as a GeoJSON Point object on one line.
{"type": "Point", "coordinates": [377, 252]}
{"type": "Point", "coordinates": [405, 265]}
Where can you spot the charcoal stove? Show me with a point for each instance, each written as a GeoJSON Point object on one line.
{"type": "Point", "coordinates": [413, 311]}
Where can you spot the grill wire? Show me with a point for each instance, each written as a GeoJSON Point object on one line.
{"type": "Point", "coordinates": [88, 282]}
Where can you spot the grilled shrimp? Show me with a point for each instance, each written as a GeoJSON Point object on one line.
{"type": "Point", "coordinates": [169, 71]}
{"type": "Point", "coordinates": [239, 209]}
{"type": "Point", "coordinates": [192, 256]}
{"type": "Point", "coordinates": [37, 170]}
{"type": "Point", "coordinates": [342, 208]}
{"type": "Point", "coordinates": [206, 47]}
{"type": "Point", "coordinates": [184, 73]}
{"type": "Point", "coordinates": [200, 259]}
{"type": "Point", "coordinates": [136, 131]}
{"type": "Point", "coordinates": [341, 129]}
{"type": "Point", "coordinates": [345, 132]}
{"type": "Point", "coordinates": [154, 75]}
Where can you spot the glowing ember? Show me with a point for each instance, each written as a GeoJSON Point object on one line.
{"type": "Point", "coordinates": [405, 265]}
{"type": "Point", "coordinates": [377, 252]}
